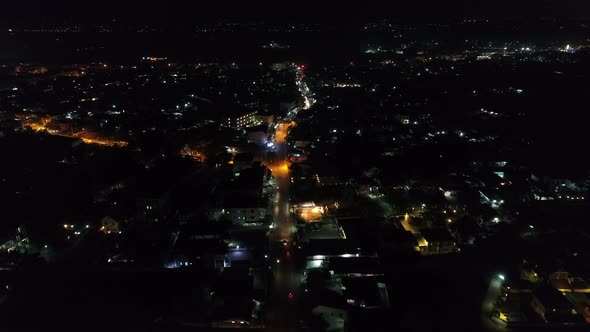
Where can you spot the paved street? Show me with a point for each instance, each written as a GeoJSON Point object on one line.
{"type": "Point", "coordinates": [281, 313]}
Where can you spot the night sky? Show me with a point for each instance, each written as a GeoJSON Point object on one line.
{"type": "Point", "coordinates": [150, 10]}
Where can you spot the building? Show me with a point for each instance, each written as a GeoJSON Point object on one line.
{"type": "Point", "coordinates": [244, 210]}
{"type": "Point", "coordinates": [553, 307]}
{"type": "Point", "coordinates": [109, 225]}
{"type": "Point", "coordinates": [321, 230]}
{"type": "Point", "coordinates": [329, 181]}
{"type": "Point", "coordinates": [567, 283]}
{"type": "Point", "coordinates": [242, 161]}
{"type": "Point", "coordinates": [438, 241]}
{"type": "Point", "coordinates": [354, 267]}
{"type": "Point", "coordinates": [365, 293]}
{"type": "Point", "coordinates": [264, 118]}
{"type": "Point", "coordinates": [152, 208]}
{"type": "Point", "coordinates": [240, 199]}
{"type": "Point", "coordinates": [234, 305]}
{"type": "Point", "coordinates": [334, 318]}
{"type": "Point", "coordinates": [257, 134]}
{"type": "Point", "coordinates": [242, 120]}
{"type": "Point", "coordinates": [404, 119]}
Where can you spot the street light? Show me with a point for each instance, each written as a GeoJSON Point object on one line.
{"type": "Point", "coordinates": [502, 277]}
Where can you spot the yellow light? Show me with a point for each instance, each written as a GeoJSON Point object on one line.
{"type": "Point", "coordinates": [449, 220]}
{"type": "Point", "coordinates": [503, 317]}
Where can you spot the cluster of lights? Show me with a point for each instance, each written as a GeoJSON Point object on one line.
{"type": "Point", "coordinates": [572, 197]}
{"type": "Point", "coordinates": [153, 59]}
{"type": "Point", "coordinates": [490, 112]}
{"type": "Point", "coordinates": [242, 121]}
{"type": "Point", "coordinates": [348, 85]}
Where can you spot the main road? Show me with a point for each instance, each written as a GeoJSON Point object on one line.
{"type": "Point", "coordinates": [281, 308]}
{"type": "Point", "coordinates": [281, 304]}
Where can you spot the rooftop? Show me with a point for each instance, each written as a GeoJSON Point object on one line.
{"type": "Point", "coordinates": [436, 235]}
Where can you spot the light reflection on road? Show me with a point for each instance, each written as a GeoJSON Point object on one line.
{"type": "Point", "coordinates": [281, 310]}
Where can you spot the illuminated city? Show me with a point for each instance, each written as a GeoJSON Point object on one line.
{"type": "Point", "coordinates": [310, 166]}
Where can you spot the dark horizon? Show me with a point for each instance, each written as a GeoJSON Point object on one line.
{"type": "Point", "coordinates": [30, 11]}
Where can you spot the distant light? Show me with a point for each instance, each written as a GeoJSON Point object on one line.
{"type": "Point", "coordinates": [238, 247]}
{"type": "Point", "coordinates": [278, 261]}
{"type": "Point", "coordinates": [531, 227]}
{"type": "Point", "coordinates": [502, 277]}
